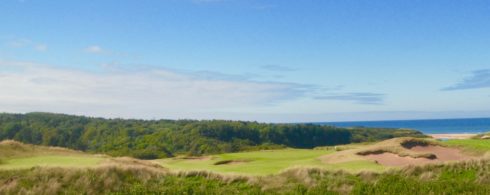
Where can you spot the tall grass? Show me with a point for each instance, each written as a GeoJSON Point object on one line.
{"type": "Point", "coordinates": [460, 178]}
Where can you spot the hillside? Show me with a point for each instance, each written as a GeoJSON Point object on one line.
{"type": "Point", "coordinates": [151, 139]}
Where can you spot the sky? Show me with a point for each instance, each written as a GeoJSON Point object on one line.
{"type": "Point", "coordinates": [258, 60]}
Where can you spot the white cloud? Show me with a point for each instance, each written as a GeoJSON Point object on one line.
{"type": "Point", "coordinates": [19, 43]}
{"type": "Point", "coordinates": [94, 49]}
{"type": "Point", "coordinates": [154, 93]}
{"type": "Point", "coordinates": [26, 43]}
{"type": "Point", "coordinates": [41, 47]}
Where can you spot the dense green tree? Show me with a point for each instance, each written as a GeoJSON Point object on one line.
{"type": "Point", "coordinates": [149, 139]}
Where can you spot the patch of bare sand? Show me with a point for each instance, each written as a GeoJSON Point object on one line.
{"type": "Point", "coordinates": [390, 159]}
{"type": "Point", "coordinates": [443, 154]}
{"type": "Point", "coordinates": [231, 162]}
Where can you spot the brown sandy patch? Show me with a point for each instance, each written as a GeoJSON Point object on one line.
{"type": "Point", "coordinates": [399, 152]}
{"type": "Point", "coordinates": [390, 159]}
{"type": "Point", "coordinates": [442, 153]}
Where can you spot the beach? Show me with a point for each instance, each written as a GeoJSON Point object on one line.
{"type": "Point", "coordinates": [453, 136]}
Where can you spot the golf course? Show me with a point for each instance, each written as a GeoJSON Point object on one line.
{"type": "Point", "coordinates": [391, 163]}
{"type": "Point", "coordinates": [43, 153]}
{"type": "Point", "coordinates": [352, 158]}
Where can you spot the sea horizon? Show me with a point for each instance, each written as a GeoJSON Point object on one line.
{"type": "Point", "coordinates": [427, 126]}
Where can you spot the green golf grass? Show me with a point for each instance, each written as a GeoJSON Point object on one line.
{"type": "Point", "coordinates": [265, 162]}
{"type": "Point", "coordinates": [476, 145]}
{"type": "Point", "coordinates": [51, 160]}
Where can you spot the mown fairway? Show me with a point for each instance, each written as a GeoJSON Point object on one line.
{"type": "Point", "coordinates": [264, 162]}
{"type": "Point", "coordinates": [51, 161]}
{"type": "Point", "coordinates": [16, 155]}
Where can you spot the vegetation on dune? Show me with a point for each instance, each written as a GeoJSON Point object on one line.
{"type": "Point", "coordinates": [151, 139]}
{"type": "Point", "coordinates": [460, 178]}
{"type": "Point", "coordinates": [483, 135]}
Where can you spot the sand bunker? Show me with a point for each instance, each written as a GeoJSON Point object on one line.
{"type": "Point", "coordinates": [399, 152]}
{"type": "Point", "coordinates": [231, 162]}
{"type": "Point", "coordinates": [197, 158]}
{"type": "Point", "coordinates": [390, 159]}
{"type": "Point", "coordinates": [442, 154]}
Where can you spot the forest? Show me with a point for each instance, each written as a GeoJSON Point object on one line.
{"type": "Point", "coordinates": [151, 139]}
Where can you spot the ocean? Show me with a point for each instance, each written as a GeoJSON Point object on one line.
{"type": "Point", "coordinates": [432, 126]}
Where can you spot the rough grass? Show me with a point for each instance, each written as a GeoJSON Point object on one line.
{"type": "Point", "coordinates": [458, 178]}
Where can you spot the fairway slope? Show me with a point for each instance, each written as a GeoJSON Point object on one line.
{"type": "Point", "coordinates": [17, 155]}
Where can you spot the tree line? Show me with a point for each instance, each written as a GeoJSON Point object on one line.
{"type": "Point", "coordinates": [150, 139]}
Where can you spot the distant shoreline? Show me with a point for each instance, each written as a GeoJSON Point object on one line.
{"type": "Point", "coordinates": [429, 126]}
{"type": "Point", "coordinates": [453, 135]}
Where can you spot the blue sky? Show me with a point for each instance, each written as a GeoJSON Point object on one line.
{"type": "Point", "coordinates": [273, 61]}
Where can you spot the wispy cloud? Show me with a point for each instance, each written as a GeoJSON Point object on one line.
{"type": "Point", "coordinates": [478, 79]}
{"type": "Point", "coordinates": [277, 68]}
{"type": "Point", "coordinates": [143, 93]}
{"type": "Point", "coordinates": [95, 49]}
{"type": "Point", "coordinates": [360, 98]}
{"type": "Point", "coordinates": [27, 43]}
{"type": "Point", "coordinates": [41, 47]}
{"type": "Point", "coordinates": [19, 43]}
